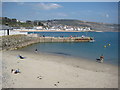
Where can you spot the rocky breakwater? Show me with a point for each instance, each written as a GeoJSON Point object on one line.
{"type": "Point", "coordinates": [12, 42]}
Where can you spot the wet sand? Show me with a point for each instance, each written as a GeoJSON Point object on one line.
{"type": "Point", "coordinates": [41, 70]}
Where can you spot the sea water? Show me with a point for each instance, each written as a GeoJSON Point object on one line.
{"type": "Point", "coordinates": [86, 50]}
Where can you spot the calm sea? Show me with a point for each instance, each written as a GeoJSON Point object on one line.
{"type": "Point", "coordinates": [85, 50]}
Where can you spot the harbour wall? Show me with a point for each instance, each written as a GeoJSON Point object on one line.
{"type": "Point", "coordinates": [12, 42]}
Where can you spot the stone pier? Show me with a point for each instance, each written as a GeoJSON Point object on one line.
{"type": "Point", "coordinates": [12, 42]}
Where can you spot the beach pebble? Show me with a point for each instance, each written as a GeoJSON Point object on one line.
{"type": "Point", "coordinates": [55, 84]}
{"type": "Point", "coordinates": [58, 82]}
{"type": "Point", "coordinates": [39, 77]}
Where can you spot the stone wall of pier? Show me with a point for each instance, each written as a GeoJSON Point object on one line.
{"type": "Point", "coordinates": [12, 42]}
{"type": "Point", "coordinates": [65, 39]}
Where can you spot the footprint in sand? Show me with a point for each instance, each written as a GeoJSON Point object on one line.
{"type": "Point", "coordinates": [39, 77]}
{"type": "Point", "coordinates": [56, 84]}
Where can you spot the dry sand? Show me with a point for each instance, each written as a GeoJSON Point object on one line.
{"type": "Point", "coordinates": [56, 71]}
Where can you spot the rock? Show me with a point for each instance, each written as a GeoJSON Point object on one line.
{"type": "Point", "coordinates": [58, 82]}
{"type": "Point", "coordinates": [55, 84]}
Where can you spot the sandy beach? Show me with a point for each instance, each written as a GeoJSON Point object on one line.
{"type": "Point", "coordinates": [41, 70]}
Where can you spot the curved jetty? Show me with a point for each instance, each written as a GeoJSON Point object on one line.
{"type": "Point", "coordinates": [12, 42]}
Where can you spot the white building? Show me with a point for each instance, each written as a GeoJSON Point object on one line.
{"type": "Point", "coordinates": [38, 27]}
{"type": "Point", "coordinates": [22, 21]}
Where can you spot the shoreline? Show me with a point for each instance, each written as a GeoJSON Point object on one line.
{"type": "Point", "coordinates": [66, 55]}
{"type": "Point", "coordinates": [69, 72]}
{"type": "Point", "coordinates": [54, 31]}
{"type": "Point", "coordinates": [61, 31]}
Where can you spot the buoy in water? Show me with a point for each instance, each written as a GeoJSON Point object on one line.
{"type": "Point", "coordinates": [104, 46]}
{"type": "Point", "coordinates": [108, 44]}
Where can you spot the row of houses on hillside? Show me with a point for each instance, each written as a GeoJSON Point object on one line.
{"type": "Point", "coordinates": [65, 27]}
